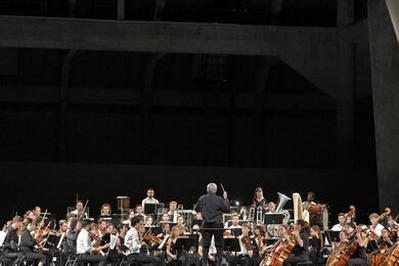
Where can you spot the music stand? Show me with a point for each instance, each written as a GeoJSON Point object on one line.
{"type": "Point", "coordinates": [332, 236]}
{"type": "Point", "coordinates": [150, 208]}
{"type": "Point", "coordinates": [274, 218]}
{"type": "Point", "coordinates": [231, 244]}
{"type": "Point", "coordinates": [184, 244]}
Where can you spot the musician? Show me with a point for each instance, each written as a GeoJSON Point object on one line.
{"type": "Point", "coordinates": [375, 227]}
{"type": "Point", "coordinates": [134, 243]}
{"type": "Point", "coordinates": [79, 210]}
{"type": "Point", "coordinates": [309, 200]}
{"type": "Point", "coordinates": [181, 224]}
{"type": "Point", "coordinates": [300, 253]}
{"type": "Point", "coordinates": [359, 258]}
{"type": "Point", "coordinates": [149, 221]}
{"type": "Point", "coordinates": [315, 245]}
{"type": "Point", "coordinates": [150, 198]}
{"type": "Point", "coordinates": [106, 210]}
{"type": "Point", "coordinates": [129, 218]}
{"type": "Point", "coordinates": [243, 213]}
{"type": "Point", "coordinates": [84, 244]}
{"type": "Point", "coordinates": [139, 212]}
{"type": "Point", "coordinates": [235, 227]}
{"type": "Point", "coordinates": [271, 207]}
{"type": "Point", "coordinates": [12, 239]}
{"type": "Point", "coordinates": [246, 246]}
{"type": "Point", "coordinates": [3, 233]}
{"type": "Point", "coordinates": [258, 198]}
{"type": "Point", "coordinates": [72, 235]}
{"type": "Point", "coordinates": [173, 211]}
{"type": "Point", "coordinates": [165, 230]}
{"type": "Point", "coordinates": [27, 245]}
{"type": "Point", "coordinates": [171, 251]}
{"type": "Point", "coordinates": [212, 208]}
{"type": "Point", "coordinates": [341, 222]}
{"type": "Point", "coordinates": [102, 227]}
{"type": "Point", "coordinates": [36, 211]}
{"type": "Point", "coordinates": [260, 240]}
{"type": "Point", "coordinates": [385, 238]}
{"type": "Point", "coordinates": [165, 218]}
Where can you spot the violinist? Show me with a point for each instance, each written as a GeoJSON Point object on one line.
{"type": "Point", "coordinates": [260, 240]}
{"type": "Point", "coordinates": [28, 244]}
{"type": "Point", "coordinates": [102, 227]}
{"type": "Point", "coordinates": [243, 213]}
{"type": "Point", "coordinates": [171, 252]}
{"type": "Point", "coordinates": [165, 230]}
{"type": "Point", "coordinates": [139, 212]}
{"type": "Point", "coordinates": [246, 246]}
{"type": "Point", "coordinates": [36, 212]}
{"type": "Point", "coordinates": [300, 252]}
{"type": "Point", "coordinates": [87, 244]}
{"type": "Point", "coordinates": [12, 239]}
{"type": "Point", "coordinates": [72, 235]}
{"type": "Point", "coordinates": [315, 245]}
{"type": "Point", "coordinates": [133, 242]}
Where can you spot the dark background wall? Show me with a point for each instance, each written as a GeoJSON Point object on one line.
{"type": "Point", "coordinates": [54, 185]}
{"type": "Point", "coordinates": [107, 123]}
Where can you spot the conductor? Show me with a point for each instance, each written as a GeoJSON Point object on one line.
{"type": "Point", "coordinates": [212, 208]}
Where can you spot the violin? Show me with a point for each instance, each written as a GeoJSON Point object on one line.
{"type": "Point", "coordinates": [152, 240]}
{"type": "Point", "coordinates": [246, 241]}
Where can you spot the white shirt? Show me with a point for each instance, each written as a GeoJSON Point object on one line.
{"type": "Point", "coordinates": [75, 212]}
{"type": "Point", "coordinates": [243, 251]}
{"type": "Point", "coordinates": [132, 241]}
{"type": "Point", "coordinates": [174, 216]}
{"type": "Point", "coordinates": [337, 228]}
{"type": "Point", "coordinates": [150, 201]}
{"type": "Point", "coordinates": [2, 237]}
{"type": "Point", "coordinates": [83, 243]}
{"type": "Point", "coordinates": [378, 229]}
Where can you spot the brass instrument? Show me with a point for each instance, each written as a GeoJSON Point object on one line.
{"type": "Point", "coordinates": [251, 213]}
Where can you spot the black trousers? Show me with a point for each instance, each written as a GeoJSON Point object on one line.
{"type": "Point", "coordinates": [92, 258]}
{"type": "Point", "coordinates": [292, 260]}
{"type": "Point", "coordinates": [215, 230]}
{"type": "Point", "coordinates": [140, 259]}
{"type": "Point", "coordinates": [357, 262]}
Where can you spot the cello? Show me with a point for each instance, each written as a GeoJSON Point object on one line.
{"type": "Point", "coordinates": [280, 251]}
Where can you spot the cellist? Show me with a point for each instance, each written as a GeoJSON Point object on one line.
{"type": "Point", "coordinates": [300, 253]}
{"type": "Point", "coordinates": [359, 257]}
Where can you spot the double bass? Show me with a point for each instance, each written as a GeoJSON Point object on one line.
{"type": "Point", "coordinates": [392, 258]}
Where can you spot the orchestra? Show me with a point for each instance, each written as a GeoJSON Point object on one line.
{"type": "Point", "coordinates": [214, 232]}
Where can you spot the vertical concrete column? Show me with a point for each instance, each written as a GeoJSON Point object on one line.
{"type": "Point", "coordinates": [146, 102]}
{"type": "Point", "coordinates": [384, 52]}
{"type": "Point", "coordinates": [345, 88]}
{"type": "Point", "coordinates": [265, 64]}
